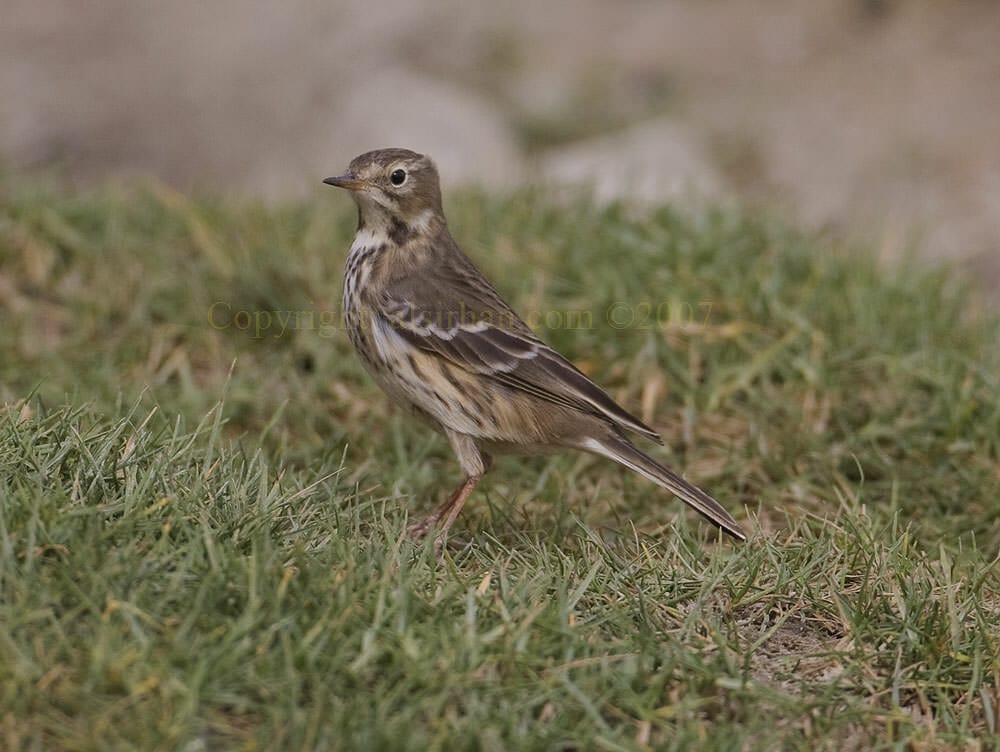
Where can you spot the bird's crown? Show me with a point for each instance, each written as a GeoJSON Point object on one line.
{"type": "Point", "coordinates": [379, 160]}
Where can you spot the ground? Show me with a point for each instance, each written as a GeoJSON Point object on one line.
{"type": "Point", "coordinates": [202, 527]}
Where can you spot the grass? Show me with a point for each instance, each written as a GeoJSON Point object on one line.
{"type": "Point", "coordinates": [201, 523]}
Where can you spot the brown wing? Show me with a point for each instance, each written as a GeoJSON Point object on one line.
{"type": "Point", "coordinates": [459, 316]}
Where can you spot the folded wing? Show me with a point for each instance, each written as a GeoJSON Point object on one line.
{"type": "Point", "coordinates": [474, 329]}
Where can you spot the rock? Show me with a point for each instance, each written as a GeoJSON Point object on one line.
{"type": "Point", "coordinates": [461, 130]}
{"type": "Point", "coordinates": [656, 161]}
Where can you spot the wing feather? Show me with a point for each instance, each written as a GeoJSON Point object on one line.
{"type": "Point", "coordinates": [481, 334]}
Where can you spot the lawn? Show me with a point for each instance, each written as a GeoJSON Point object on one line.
{"type": "Point", "coordinates": [203, 497]}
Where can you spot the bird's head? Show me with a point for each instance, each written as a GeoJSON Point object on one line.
{"type": "Point", "coordinates": [393, 187]}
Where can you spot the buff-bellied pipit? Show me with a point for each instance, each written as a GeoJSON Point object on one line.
{"type": "Point", "coordinates": [439, 340]}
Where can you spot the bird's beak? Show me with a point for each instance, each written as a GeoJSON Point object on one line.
{"type": "Point", "coordinates": [349, 182]}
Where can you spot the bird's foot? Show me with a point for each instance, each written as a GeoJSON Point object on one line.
{"type": "Point", "coordinates": [421, 528]}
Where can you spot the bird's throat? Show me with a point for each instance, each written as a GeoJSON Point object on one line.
{"type": "Point", "coordinates": [396, 227]}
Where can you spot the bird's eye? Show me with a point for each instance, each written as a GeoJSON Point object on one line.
{"type": "Point", "coordinates": [398, 177]}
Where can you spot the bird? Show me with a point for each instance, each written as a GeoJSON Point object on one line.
{"type": "Point", "coordinates": [441, 341]}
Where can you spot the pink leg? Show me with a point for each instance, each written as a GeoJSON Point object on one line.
{"type": "Point", "coordinates": [448, 510]}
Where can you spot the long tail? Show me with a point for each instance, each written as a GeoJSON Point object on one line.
{"type": "Point", "coordinates": [620, 449]}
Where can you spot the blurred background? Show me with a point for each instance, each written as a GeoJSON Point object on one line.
{"type": "Point", "coordinates": [879, 119]}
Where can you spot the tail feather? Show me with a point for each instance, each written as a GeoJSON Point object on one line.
{"type": "Point", "coordinates": [622, 451]}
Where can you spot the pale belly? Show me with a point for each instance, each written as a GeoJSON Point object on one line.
{"type": "Point", "coordinates": [418, 383]}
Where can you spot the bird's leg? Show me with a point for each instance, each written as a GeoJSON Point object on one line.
{"type": "Point", "coordinates": [457, 502]}
{"type": "Point", "coordinates": [448, 510]}
{"type": "Point", "coordinates": [474, 463]}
